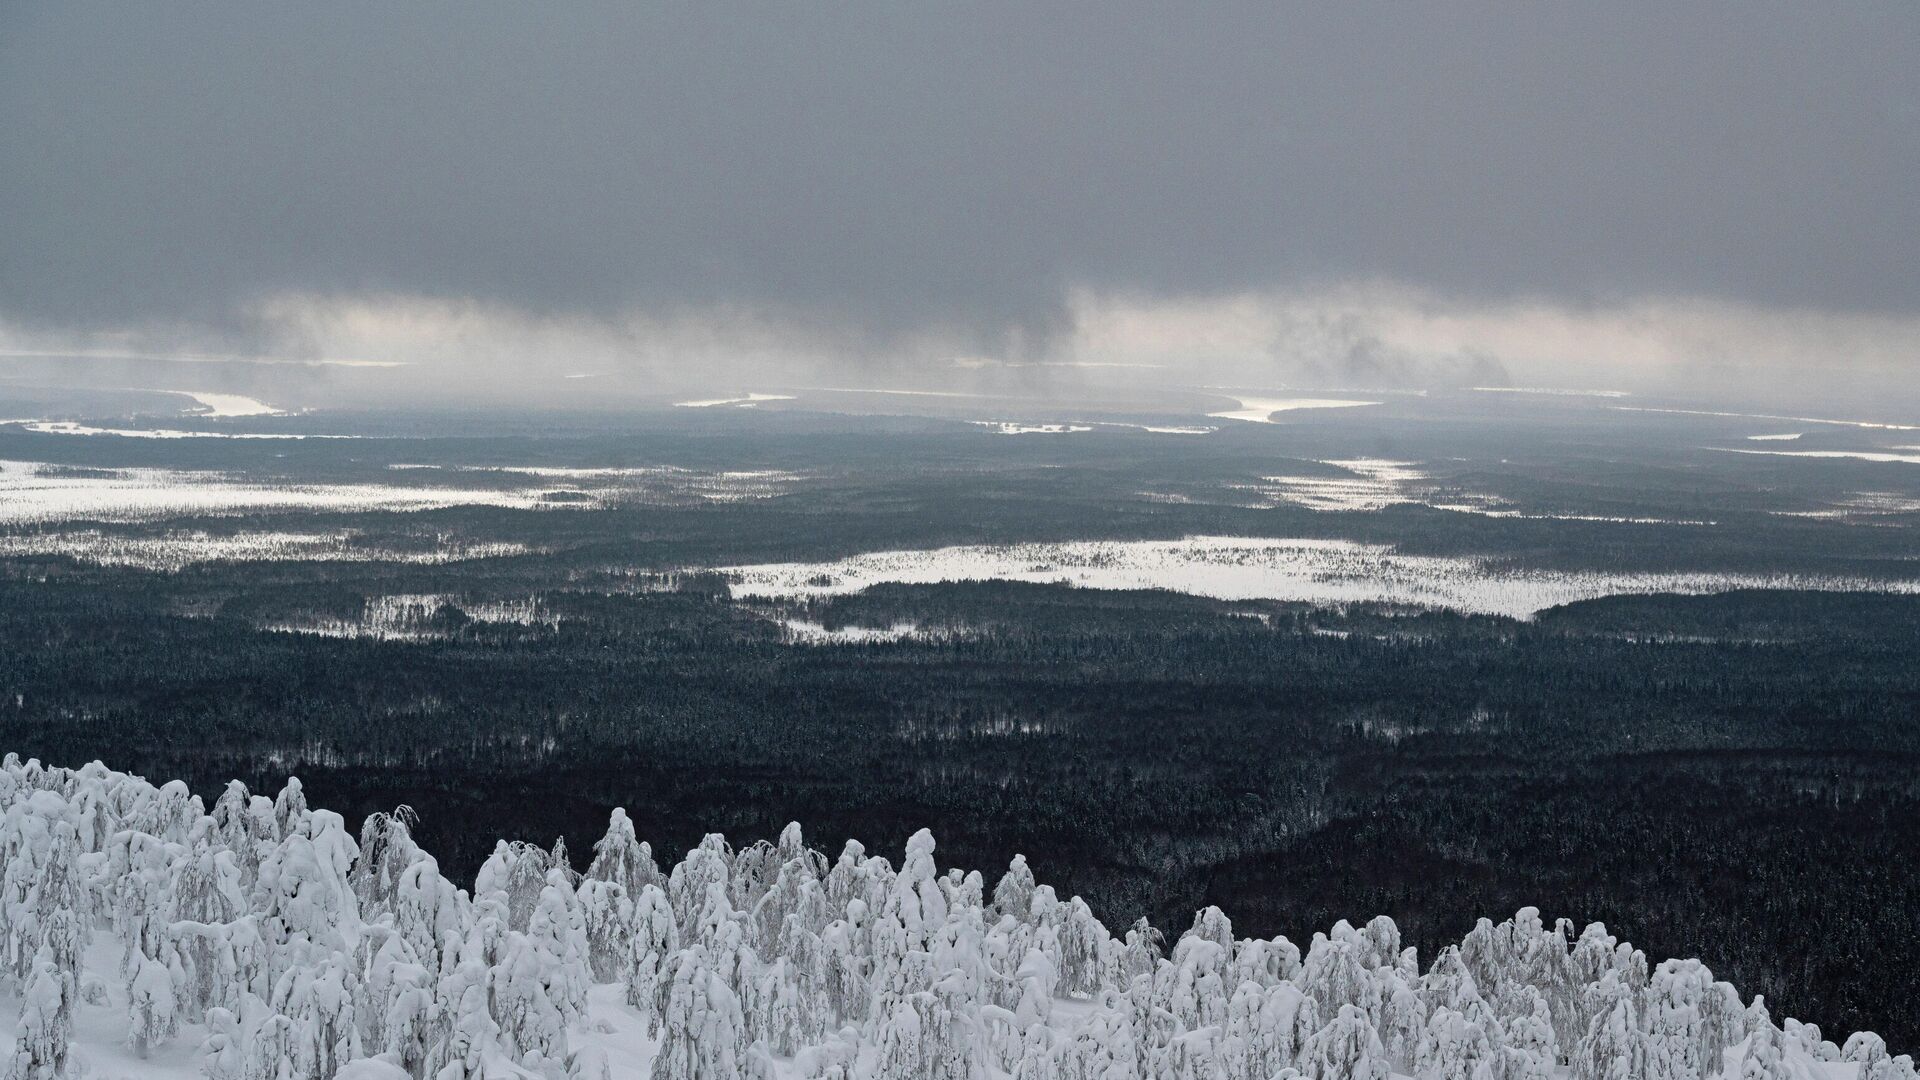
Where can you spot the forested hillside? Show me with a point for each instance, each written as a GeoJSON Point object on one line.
{"type": "Point", "coordinates": [146, 936]}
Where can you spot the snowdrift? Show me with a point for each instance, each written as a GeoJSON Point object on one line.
{"type": "Point", "coordinates": [143, 936]}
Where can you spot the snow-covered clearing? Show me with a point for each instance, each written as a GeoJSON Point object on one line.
{"type": "Point", "coordinates": [38, 492]}
{"type": "Point", "coordinates": [1882, 456]}
{"type": "Point", "coordinates": [1329, 572]}
{"type": "Point", "coordinates": [1369, 484]}
{"type": "Point", "coordinates": [1174, 429]}
{"type": "Point", "coordinates": [1375, 484]}
{"type": "Point", "coordinates": [225, 405]}
{"type": "Point", "coordinates": [180, 548]}
{"type": "Point", "coordinates": [34, 492]}
{"type": "Point", "coordinates": [148, 938]}
{"type": "Point", "coordinates": [1260, 410]}
{"type": "Point", "coordinates": [68, 427]}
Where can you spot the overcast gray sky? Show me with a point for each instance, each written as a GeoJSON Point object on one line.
{"type": "Point", "coordinates": [889, 176]}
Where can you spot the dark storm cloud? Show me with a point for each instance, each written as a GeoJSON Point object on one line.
{"type": "Point", "coordinates": [948, 167]}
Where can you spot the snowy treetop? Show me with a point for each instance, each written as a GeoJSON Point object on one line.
{"type": "Point", "coordinates": [142, 935]}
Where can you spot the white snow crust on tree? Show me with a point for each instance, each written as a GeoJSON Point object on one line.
{"type": "Point", "coordinates": [142, 936]}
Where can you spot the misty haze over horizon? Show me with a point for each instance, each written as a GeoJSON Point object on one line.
{"type": "Point", "coordinates": [605, 206]}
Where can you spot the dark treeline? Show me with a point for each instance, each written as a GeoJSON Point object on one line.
{"type": "Point", "coordinates": [1729, 777]}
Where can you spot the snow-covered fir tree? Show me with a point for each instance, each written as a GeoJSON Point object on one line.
{"type": "Point", "coordinates": [262, 941]}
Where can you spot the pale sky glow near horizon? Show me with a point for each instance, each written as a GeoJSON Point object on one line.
{"type": "Point", "coordinates": [366, 204]}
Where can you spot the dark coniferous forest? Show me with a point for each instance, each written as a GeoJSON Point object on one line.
{"type": "Point", "coordinates": [1729, 776]}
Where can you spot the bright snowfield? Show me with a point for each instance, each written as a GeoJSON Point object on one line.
{"type": "Point", "coordinates": [38, 492]}
{"type": "Point", "coordinates": [143, 937]}
{"type": "Point", "coordinates": [1260, 410]}
{"type": "Point", "coordinates": [225, 405]}
{"type": "Point", "coordinates": [177, 549]}
{"type": "Point", "coordinates": [1255, 568]}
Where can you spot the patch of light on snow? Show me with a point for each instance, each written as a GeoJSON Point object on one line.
{"type": "Point", "coordinates": [747, 401]}
{"type": "Point", "coordinates": [1331, 572]}
{"type": "Point", "coordinates": [1260, 410]}
{"type": "Point", "coordinates": [1370, 484]}
{"type": "Point", "coordinates": [1789, 437]}
{"type": "Point", "coordinates": [175, 550]}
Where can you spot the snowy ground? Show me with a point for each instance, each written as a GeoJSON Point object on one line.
{"type": "Point", "coordinates": [1260, 410]}
{"type": "Point", "coordinates": [225, 405]}
{"type": "Point", "coordinates": [69, 427]}
{"type": "Point", "coordinates": [613, 1034]}
{"type": "Point", "coordinates": [1328, 572]}
{"type": "Point", "coordinates": [39, 493]}
{"type": "Point", "coordinates": [177, 549]}
{"type": "Point", "coordinates": [1883, 456]}
{"type": "Point", "coordinates": [1367, 484]}
{"type": "Point", "coordinates": [34, 493]}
